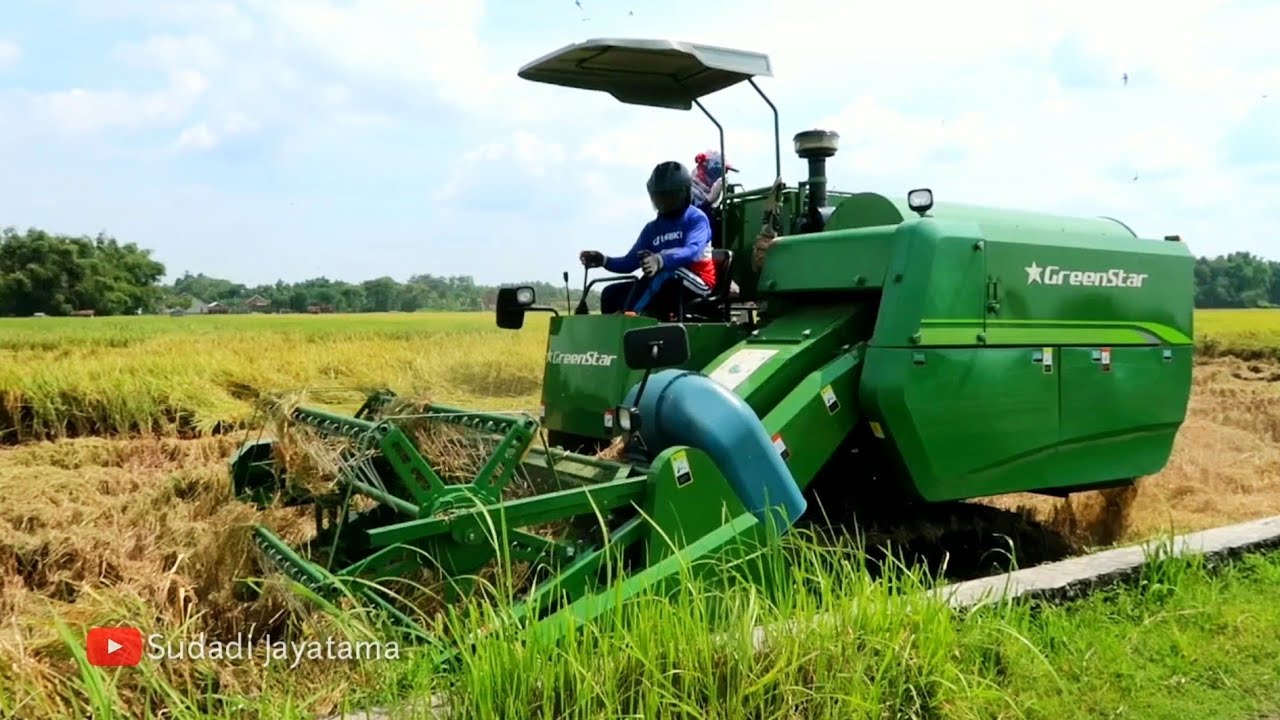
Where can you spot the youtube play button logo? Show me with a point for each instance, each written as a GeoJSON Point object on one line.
{"type": "Point", "coordinates": [113, 647]}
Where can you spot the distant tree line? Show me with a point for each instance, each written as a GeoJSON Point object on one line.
{"type": "Point", "coordinates": [384, 294]}
{"type": "Point", "coordinates": [1237, 280]}
{"type": "Point", "coordinates": [41, 272]}
{"type": "Point", "coordinates": [58, 275]}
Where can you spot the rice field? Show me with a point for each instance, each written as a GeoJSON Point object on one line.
{"type": "Point", "coordinates": [1245, 334]}
{"type": "Point", "coordinates": [191, 376]}
{"type": "Point", "coordinates": [114, 507]}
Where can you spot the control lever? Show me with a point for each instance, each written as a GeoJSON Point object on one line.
{"type": "Point", "coordinates": [582, 301]}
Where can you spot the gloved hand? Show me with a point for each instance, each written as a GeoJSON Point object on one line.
{"type": "Point", "coordinates": [651, 264]}
{"type": "Point", "coordinates": [713, 195]}
{"type": "Point", "coordinates": [591, 259]}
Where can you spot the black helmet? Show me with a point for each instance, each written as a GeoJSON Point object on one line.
{"type": "Point", "coordinates": [670, 188]}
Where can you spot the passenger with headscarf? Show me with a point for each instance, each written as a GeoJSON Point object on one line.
{"type": "Point", "coordinates": [708, 179]}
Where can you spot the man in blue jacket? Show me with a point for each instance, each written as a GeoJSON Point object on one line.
{"type": "Point", "coordinates": [673, 250]}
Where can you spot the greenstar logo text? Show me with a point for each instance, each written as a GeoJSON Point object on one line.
{"type": "Point", "coordinates": [1054, 275]}
{"type": "Point", "coordinates": [597, 359]}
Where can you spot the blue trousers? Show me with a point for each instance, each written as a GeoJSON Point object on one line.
{"type": "Point", "coordinates": [661, 302]}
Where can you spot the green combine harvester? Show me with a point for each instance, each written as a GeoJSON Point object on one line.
{"type": "Point", "coordinates": [856, 343]}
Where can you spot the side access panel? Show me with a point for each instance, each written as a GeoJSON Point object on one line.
{"type": "Point", "coordinates": [964, 422]}
{"type": "Point", "coordinates": [990, 421]}
{"type": "Point", "coordinates": [1121, 410]}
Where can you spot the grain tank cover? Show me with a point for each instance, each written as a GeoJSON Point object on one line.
{"type": "Point", "coordinates": [656, 73]}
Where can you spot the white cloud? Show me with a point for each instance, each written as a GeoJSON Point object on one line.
{"type": "Point", "coordinates": [10, 54]}
{"type": "Point", "coordinates": [298, 68]}
{"type": "Point", "coordinates": [204, 136]}
{"type": "Point", "coordinates": [221, 18]}
{"type": "Point", "coordinates": [538, 156]}
{"type": "Point", "coordinates": [412, 46]}
{"type": "Point", "coordinates": [491, 167]}
{"type": "Point", "coordinates": [79, 111]}
{"type": "Point", "coordinates": [208, 53]}
{"type": "Point", "coordinates": [197, 137]}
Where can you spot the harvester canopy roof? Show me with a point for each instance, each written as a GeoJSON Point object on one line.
{"type": "Point", "coordinates": [657, 73]}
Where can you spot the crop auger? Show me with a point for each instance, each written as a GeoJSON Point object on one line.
{"type": "Point", "coordinates": [853, 343]}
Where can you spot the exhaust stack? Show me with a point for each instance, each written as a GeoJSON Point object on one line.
{"type": "Point", "coordinates": [816, 146]}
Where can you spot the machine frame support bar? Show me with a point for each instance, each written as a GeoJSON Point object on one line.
{"type": "Point", "coordinates": [415, 474]}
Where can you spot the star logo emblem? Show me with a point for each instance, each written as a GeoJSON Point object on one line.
{"type": "Point", "coordinates": [1033, 273]}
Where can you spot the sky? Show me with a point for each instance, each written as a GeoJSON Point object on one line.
{"type": "Point", "coordinates": [259, 140]}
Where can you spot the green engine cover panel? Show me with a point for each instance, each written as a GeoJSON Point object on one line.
{"type": "Point", "coordinates": [1125, 289]}
{"type": "Point", "coordinates": [1121, 418]}
{"type": "Point", "coordinates": [1017, 352]}
{"type": "Point", "coordinates": [968, 275]}
{"type": "Point", "coordinates": [959, 283]}
{"type": "Point", "coordinates": [963, 422]}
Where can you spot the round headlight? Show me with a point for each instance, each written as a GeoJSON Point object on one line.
{"type": "Point", "coordinates": [524, 296]}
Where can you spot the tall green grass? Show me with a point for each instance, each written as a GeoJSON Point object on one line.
{"type": "Point", "coordinates": [1182, 640]}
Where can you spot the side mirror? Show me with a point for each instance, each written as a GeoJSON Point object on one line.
{"type": "Point", "coordinates": [510, 309]}
{"type": "Point", "coordinates": [655, 347]}
{"type": "Point", "coordinates": [513, 302]}
{"type": "Point", "coordinates": [648, 349]}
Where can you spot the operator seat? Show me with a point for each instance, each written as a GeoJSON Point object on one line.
{"type": "Point", "coordinates": [714, 215]}
{"type": "Point", "coordinates": [715, 307]}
